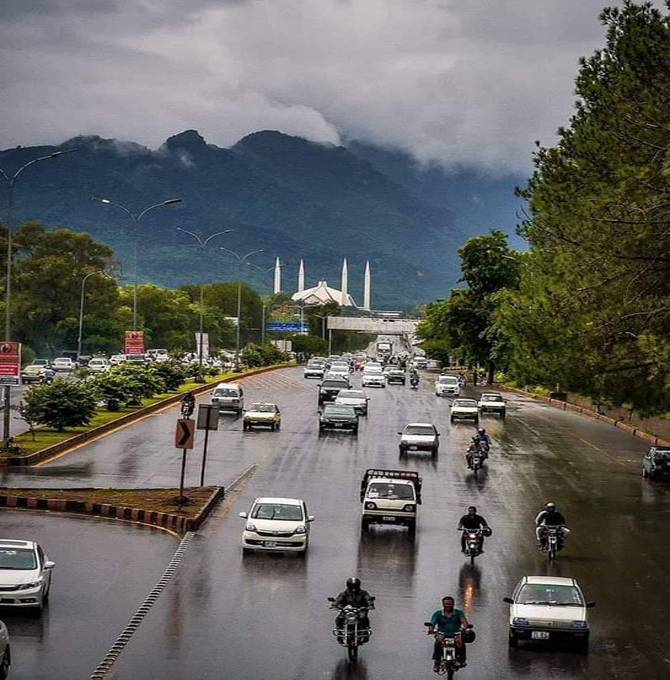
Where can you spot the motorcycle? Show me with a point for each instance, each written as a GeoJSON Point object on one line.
{"type": "Point", "coordinates": [475, 458]}
{"type": "Point", "coordinates": [352, 635]}
{"type": "Point", "coordinates": [414, 383]}
{"type": "Point", "coordinates": [553, 541]}
{"type": "Point", "coordinates": [473, 543]}
{"type": "Point", "coordinates": [187, 408]}
{"type": "Point", "coordinates": [449, 662]}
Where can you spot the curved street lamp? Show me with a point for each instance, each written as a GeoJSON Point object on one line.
{"type": "Point", "coordinates": [81, 306]}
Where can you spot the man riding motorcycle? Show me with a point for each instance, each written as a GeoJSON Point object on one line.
{"type": "Point", "coordinates": [449, 621]}
{"type": "Point", "coordinates": [550, 517]}
{"type": "Point", "coordinates": [475, 447]}
{"type": "Point", "coordinates": [414, 377]}
{"type": "Point", "coordinates": [355, 596]}
{"type": "Point", "coordinates": [473, 522]}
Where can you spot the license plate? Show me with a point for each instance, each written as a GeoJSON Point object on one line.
{"type": "Point", "coordinates": [386, 518]}
{"type": "Point", "coordinates": [413, 448]}
{"type": "Point", "coordinates": [539, 635]}
{"type": "Point", "coordinates": [270, 544]}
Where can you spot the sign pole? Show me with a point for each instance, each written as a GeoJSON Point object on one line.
{"type": "Point", "coordinates": [184, 440]}
{"type": "Point", "coordinates": [181, 479]}
{"type": "Point", "coordinates": [204, 459]}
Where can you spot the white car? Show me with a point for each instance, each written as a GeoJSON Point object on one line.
{"type": "Point", "coordinates": [117, 359]}
{"type": "Point", "coordinates": [314, 369]}
{"type": "Point", "coordinates": [419, 437]}
{"type": "Point", "coordinates": [373, 376]}
{"type": "Point", "coordinates": [339, 369]}
{"type": "Point", "coordinates": [492, 402]}
{"type": "Point", "coordinates": [355, 398]}
{"type": "Point", "coordinates": [549, 609]}
{"type": "Point", "coordinates": [464, 409]}
{"type": "Point", "coordinates": [158, 354]}
{"type": "Point", "coordinates": [277, 524]}
{"type": "Point", "coordinates": [447, 386]}
{"type": "Point", "coordinates": [390, 497]}
{"type": "Point", "coordinates": [25, 574]}
{"type": "Point", "coordinates": [5, 653]}
{"type": "Point", "coordinates": [63, 365]}
{"type": "Point", "coordinates": [259, 414]}
{"type": "Point", "coordinates": [420, 362]}
{"type": "Point", "coordinates": [98, 365]}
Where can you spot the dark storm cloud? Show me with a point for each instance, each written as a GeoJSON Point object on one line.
{"type": "Point", "coordinates": [454, 81]}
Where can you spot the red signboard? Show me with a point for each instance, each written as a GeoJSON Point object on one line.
{"type": "Point", "coordinates": [185, 434]}
{"type": "Point", "coordinates": [134, 342]}
{"type": "Point", "coordinates": [10, 363]}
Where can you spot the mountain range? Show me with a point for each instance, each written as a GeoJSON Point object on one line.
{"type": "Point", "coordinates": [288, 196]}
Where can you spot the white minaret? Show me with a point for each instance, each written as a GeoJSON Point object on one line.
{"type": "Point", "coordinates": [277, 286]}
{"type": "Point", "coordinates": [345, 281]}
{"type": "Point", "coordinates": [301, 277]}
{"type": "Point", "coordinates": [366, 287]}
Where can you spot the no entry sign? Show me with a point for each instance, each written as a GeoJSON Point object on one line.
{"type": "Point", "coordinates": [134, 342]}
{"type": "Point", "coordinates": [10, 363]}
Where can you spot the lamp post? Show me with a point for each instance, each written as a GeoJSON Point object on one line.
{"type": "Point", "coordinates": [241, 259]}
{"type": "Point", "coordinates": [136, 220]}
{"type": "Point", "coordinates": [81, 307]}
{"type": "Point", "coordinates": [202, 243]}
{"type": "Point", "coordinates": [10, 181]}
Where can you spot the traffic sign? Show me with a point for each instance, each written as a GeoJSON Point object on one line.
{"type": "Point", "coordinates": [10, 363]}
{"type": "Point", "coordinates": [185, 434]}
{"type": "Point", "coordinates": [208, 417]}
{"type": "Point", "coordinates": [287, 327]}
{"type": "Point", "coordinates": [134, 342]}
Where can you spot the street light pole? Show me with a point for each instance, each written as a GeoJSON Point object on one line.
{"type": "Point", "coordinates": [10, 181]}
{"type": "Point", "coordinates": [241, 259]}
{"type": "Point", "coordinates": [81, 309]}
{"type": "Point", "coordinates": [202, 243]}
{"type": "Point", "coordinates": [136, 220]}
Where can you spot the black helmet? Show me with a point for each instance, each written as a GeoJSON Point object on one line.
{"type": "Point", "coordinates": [353, 583]}
{"type": "Point", "coordinates": [550, 506]}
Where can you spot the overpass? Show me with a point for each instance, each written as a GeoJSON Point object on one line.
{"type": "Point", "coordinates": [405, 328]}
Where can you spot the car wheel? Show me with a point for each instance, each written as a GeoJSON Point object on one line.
{"type": "Point", "coordinates": [365, 525]}
{"type": "Point", "coordinates": [411, 528]}
{"type": "Point", "coordinates": [5, 663]}
{"type": "Point", "coordinates": [452, 419]}
{"type": "Point", "coordinates": [476, 421]}
{"type": "Point", "coordinates": [513, 641]}
{"type": "Point", "coordinates": [279, 425]}
{"type": "Point", "coordinates": [434, 451]}
{"type": "Point", "coordinates": [582, 645]}
{"type": "Point", "coordinates": [354, 430]}
{"type": "Point", "coordinates": [272, 426]}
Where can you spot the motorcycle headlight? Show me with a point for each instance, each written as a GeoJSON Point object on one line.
{"type": "Point", "coordinates": [472, 535]}
{"type": "Point", "coordinates": [579, 624]}
{"type": "Point", "coordinates": [300, 529]}
{"type": "Point", "coordinates": [250, 526]}
{"type": "Point", "coordinates": [28, 586]}
{"type": "Point", "coordinates": [518, 621]}
{"type": "Point", "coordinates": [370, 506]}
{"type": "Point", "coordinates": [409, 508]}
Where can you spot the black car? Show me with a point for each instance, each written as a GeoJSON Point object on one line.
{"type": "Point", "coordinates": [338, 417]}
{"type": "Point", "coordinates": [329, 389]}
{"type": "Point", "coordinates": [395, 375]}
{"type": "Point", "coordinates": [656, 463]}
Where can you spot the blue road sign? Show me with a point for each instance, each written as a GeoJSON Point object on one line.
{"type": "Point", "coordinates": [287, 327]}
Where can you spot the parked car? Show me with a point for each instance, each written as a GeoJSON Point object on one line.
{"type": "Point", "coordinates": [5, 652]}
{"type": "Point", "coordinates": [447, 386]}
{"type": "Point", "coordinates": [355, 398]}
{"type": "Point", "coordinates": [492, 402]}
{"type": "Point", "coordinates": [277, 524]}
{"type": "Point", "coordinates": [25, 574]}
{"type": "Point", "coordinates": [266, 415]}
{"type": "Point", "coordinates": [98, 365]}
{"type": "Point", "coordinates": [656, 463]}
{"type": "Point", "coordinates": [117, 359]}
{"type": "Point", "coordinates": [137, 359]}
{"type": "Point", "coordinates": [33, 374]}
{"type": "Point", "coordinates": [419, 437]}
{"type": "Point", "coordinates": [63, 365]}
{"type": "Point", "coordinates": [464, 409]}
{"type": "Point", "coordinates": [338, 417]}
{"type": "Point", "coordinates": [548, 609]}
{"type": "Point", "coordinates": [228, 397]}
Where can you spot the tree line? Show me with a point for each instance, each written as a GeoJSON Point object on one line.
{"type": "Point", "coordinates": [587, 306]}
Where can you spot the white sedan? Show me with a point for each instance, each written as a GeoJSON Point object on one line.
{"type": "Point", "coordinates": [277, 525]}
{"type": "Point", "coordinates": [63, 364]}
{"type": "Point", "coordinates": [25, 574]}
{"type": "Point", "coordinates": [492, 402]}
{"type": "Point", "coordinates": [549, 609]}
{"type": "Point", "coordinates": [464, 409]}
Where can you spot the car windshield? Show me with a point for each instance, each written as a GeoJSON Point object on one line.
{"type": "Point", "coordinates": [372, 369]}
{"type": "Point", "coordinates": [62, 360]}
{"type": "Point", "coordinates": [315, 363]}
{"type": "Point", "coordinates": [661, 455]}
{"type": "Point", "coordinates": [351, 394]}
{"type": "Point", "coordinates": [278, 511]}
{"type": "Point", "coordinates": [547, 594]}
{"type": "Point", "coordinates": [225, 392]}
{"type": "Point", "coordinates": [339, 410]}
{"type": "Point", "coordinates": [393, 492]}
{"type": "Point", "coordinates": [263, 408]}
{"type": "Point", "coordinates": [17, 558]}
{"type": "Point", "coordinates": [420, 429]}
{"type": "Point", "coordinates": [448, 379]}
{"type": "Point", "coordinates": [333, 383]}
{"type": "Point", "coordinates": [491, 397]}
{"type": "Point", "coordinates": [40, 362]}
{"type": "Point", "coordinates": [467, 403]}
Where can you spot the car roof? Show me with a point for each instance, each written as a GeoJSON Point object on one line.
{"type": "Point", "coordinates": [228, 384]}
{"type": "Point", "coordinates": [12, 543]}
{"type": "Point", "coordinates": [285, 501]}
{"type": "Point", "coordinates": [551, 580]}
{"type": "Point", "coordinates": [419, 425]}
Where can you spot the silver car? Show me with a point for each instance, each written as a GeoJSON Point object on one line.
{"type": "Point", "coordinates": [25, 574]}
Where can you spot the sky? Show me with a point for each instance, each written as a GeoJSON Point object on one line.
{"type": "Point", "coordinates": [456, 82]}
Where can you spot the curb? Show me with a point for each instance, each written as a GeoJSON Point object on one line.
{"type": "Point", "coordinates": [78, 439]}
{"type": "Point", "coordinates": [567, 406]}
{"type": "Point", "coordinates": [164, 520]}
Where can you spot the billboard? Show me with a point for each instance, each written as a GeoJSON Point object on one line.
{"type": "Point", "coordinates": [133, 342]}
{"type": "Point", "coordinates": [10, 363]}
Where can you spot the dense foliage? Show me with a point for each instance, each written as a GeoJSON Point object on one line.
{"type": "Point", "coordinates": [63, 403]}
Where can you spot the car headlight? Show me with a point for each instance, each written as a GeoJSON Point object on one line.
{"type": "Point", "coordinates": [28, 586]}
{"type": "Point", "coordinates": [409, 508]}
{"type": "Point", "coordinates": [300, 529]}
{"type": "Point", "coordinates": [579, 624]}
{"type": "Point", "coordinates": [370, 506]}
{"type": "Point", "coordinates": [250, 526]}
{"type": "Point", "coordinates": [518, 621]}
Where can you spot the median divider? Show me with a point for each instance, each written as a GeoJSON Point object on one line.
{"type": "Point", "coordinates": [94, 433]}
{"type": "Point", "coordinates": [567, 406]}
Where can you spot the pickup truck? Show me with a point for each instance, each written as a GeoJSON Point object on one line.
{"type": "Point", "coordinates": [390, 497]}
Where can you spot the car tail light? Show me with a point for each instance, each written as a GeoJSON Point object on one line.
{"type": "Point", "coordinates": [370, 506]}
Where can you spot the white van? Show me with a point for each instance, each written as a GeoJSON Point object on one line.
{"type": "Point", "coordinates": [228, 397]}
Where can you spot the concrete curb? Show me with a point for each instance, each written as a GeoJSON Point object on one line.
{"type": "Point", "coordinates": [567, 406]}
{"type": "Point", "coordinates": [107, 428]}
{"type": "Point", "coordinates": [165, 520]}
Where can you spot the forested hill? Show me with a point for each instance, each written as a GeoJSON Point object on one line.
{"type": "Point", "coordinates": [292, 198]}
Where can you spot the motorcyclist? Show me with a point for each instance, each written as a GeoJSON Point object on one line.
{"type": "Point", "coordinates": [473, 522]}
{"type": "Point", "coordinates": [550, 517]}
{"type": "Point", "coordinates": [355, 596]}
{"type": "Point", "coordinates": [483, 437]}
{"type": "Point", "coordinates": [414, 377]}
{"type": "Point", "coordinates": [449, 621]}
{"type": "Point", "coordinates": [475, 447]}
{"type": "Point", "coordinates": [187, 405]}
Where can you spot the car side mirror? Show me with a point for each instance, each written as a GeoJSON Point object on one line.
{"type": "Point", "coordinates": [509, 600]}
{"type": "Point", "coordinates": [590, 605]}
{"type": "Point", "coordinates": [428, 624]}
{"type": "Point", "coordinates": [331, 599]}
{"type": "Point", "coordinates": [243, 515]}
{"type": "Point", "coordinates": [400, 433]}
{"type": "Point", "coordinates": [310, 518]}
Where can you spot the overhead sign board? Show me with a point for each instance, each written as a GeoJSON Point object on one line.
{"type": "Point", "coordinates": [287, 327]}
{"type": "Point", "coordinates": [134, 342]}
{"type": "Point", "coordinates": [374, 326]}
{"type": "Point", "coordinates": [185, 435]}
{"type": "Point", "coordinates": [10, 363]}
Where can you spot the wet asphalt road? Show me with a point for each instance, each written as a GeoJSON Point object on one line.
{"type": "Point", "coordinates": [103, 570]}
{"type": "Point", "coordinates": [266, 616]}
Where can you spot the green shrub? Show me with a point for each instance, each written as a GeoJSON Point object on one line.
{"type": "Point", "coordinates": [64, 403]}
{"type": "Point", "coordinates": [171, 373]}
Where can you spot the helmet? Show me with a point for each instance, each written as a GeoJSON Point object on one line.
{"type": "Point", "coordinates": [481, 430]}
{"type": "Point", "coordinates": [353, 583]}
{"type": "Point", "coordinates": [550, 506]}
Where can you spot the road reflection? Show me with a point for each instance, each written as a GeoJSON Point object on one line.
{"type": "Point", "coordinates": [350, 671]}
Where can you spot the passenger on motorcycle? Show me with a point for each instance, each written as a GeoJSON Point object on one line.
{"type": "Point", "coordinates": [473, 522]}
{"type": "Point", "coordinates": [485, 440]}
{"type": "Point", "coordinates": [355, 596]}
{"type": "Point", "coordinates": [475, 447]}
{"type": "Point", "coordinates": [449, 621]}
{"type": "Point", "coordinates": [550, 517]}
